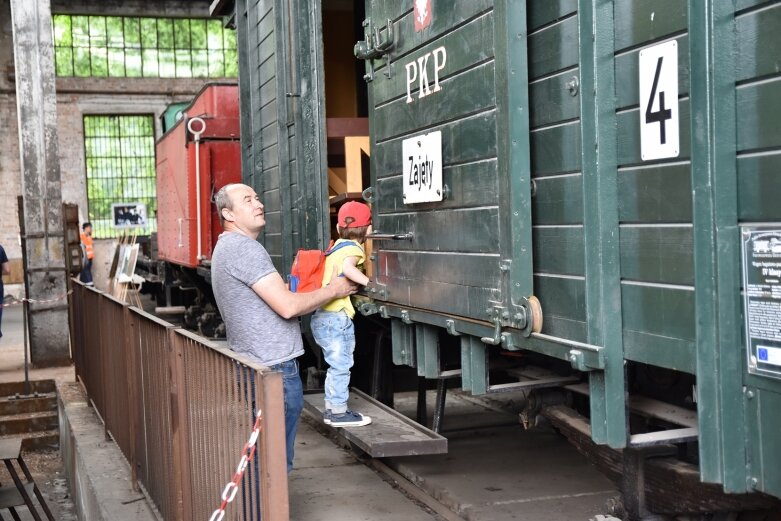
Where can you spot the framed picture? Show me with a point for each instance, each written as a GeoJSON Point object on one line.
{"type": "Point", "coordinates": [128, 215]}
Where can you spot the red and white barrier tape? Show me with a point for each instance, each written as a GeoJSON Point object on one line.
{"type": "Point", "coordinates": [19, 302]}
{"type": "Point", "coordinates": [246, 456]}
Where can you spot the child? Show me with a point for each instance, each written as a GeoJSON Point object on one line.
{"type": "Point", "coordinates": [332, 325]}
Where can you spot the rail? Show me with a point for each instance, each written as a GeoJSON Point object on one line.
{"type": "Point", "coordinates": [180, 408]}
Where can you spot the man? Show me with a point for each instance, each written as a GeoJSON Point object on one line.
{"type": "Point", "coordinates": [89, 254]}
{"type": "Point", "coordinates": [5, 269]}
{"type": "Point", "coordinates": [258, 309]}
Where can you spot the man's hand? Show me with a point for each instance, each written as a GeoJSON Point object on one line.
{"type": "Point", "coordinates": [341, 286]}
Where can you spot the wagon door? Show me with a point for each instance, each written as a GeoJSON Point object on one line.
{"type": "Point", "coordinates": [282, 125]}
{"type": "Point", "coordinates": [450, 167]}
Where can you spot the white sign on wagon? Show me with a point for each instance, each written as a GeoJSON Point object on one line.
{"type": "Point", "coordinates": [659, 101]}
{"type": "Point", "coordinates": [422, 168]}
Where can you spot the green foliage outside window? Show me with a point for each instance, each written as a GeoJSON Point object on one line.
{"type": "Point", "coordinates": [120, 156]}
{"type": "Point", "coordinates": [131, 47]}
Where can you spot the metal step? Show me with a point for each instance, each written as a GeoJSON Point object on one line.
{"type": "Point", "coordinates": [390, 434]}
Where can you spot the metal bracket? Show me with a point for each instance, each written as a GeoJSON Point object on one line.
{"type": "Point", "coordinates": [376, 290]}
{"type": "Point", "coordinates": [405, 317]}
{"type": "Point", "coordinates": [368, 195]}
{"type": "Point", "coordinates": [384, 312]}
{"type": "Point", "coordinates": [497, 338]}
{"type": "Point", "coordinates": [450, 326]}
{"type": "Point", "coordinates": [373, 46]}
{"type": "Point", "coordinates": [578, 360]}
{"type": "Point", "coordinates": [367, 308]}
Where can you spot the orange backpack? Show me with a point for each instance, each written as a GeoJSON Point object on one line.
{"type": "Point", "coordinates": [308, 268]}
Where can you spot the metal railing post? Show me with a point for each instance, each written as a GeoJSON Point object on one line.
{"type": "Point", "coordinates": [180, 429]}
{"type": "Point", "coordinates": [131, 341]}
{"type": "Point", "coordinates": [273, 462]}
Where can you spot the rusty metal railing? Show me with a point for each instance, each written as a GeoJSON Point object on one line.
{"type": "Point", "coordinates": [180, 408]}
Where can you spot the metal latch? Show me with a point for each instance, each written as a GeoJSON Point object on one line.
{"type": "Point", "coordinates": [378, 236]}
{"type": "Point", "coordinates": [373, 46]}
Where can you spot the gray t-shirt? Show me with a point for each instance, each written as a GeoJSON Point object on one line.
{"type": "Point", "coordinates": [253, 328]}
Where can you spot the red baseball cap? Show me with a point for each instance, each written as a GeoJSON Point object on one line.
{"type": "Point", "coordinates": [358, 213]}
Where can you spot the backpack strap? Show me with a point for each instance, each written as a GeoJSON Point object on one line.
{"type": "Point", "coordinates": [339, 246]}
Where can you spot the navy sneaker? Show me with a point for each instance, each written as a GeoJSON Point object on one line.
{"type": "Point", "coordinates": [345, 419]}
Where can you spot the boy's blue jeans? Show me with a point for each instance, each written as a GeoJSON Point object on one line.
{"type": "Point", "coordinates": [335, 334]}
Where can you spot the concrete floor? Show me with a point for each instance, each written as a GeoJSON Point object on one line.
{"type": "Point", "coordinates": [494, 471]}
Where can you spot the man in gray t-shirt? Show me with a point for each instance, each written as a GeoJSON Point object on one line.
{"type": "Point", "coordinates": [258, 309]}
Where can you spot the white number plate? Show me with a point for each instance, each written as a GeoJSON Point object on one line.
{"type": "Point", "coordinates": [422, 168]}
{"type": "Point", "coordinates": [659, 101]}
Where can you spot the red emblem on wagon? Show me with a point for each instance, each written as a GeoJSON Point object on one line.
{"type": "Point", "coordinates": [422, 14]}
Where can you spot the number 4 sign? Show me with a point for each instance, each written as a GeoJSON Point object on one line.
{"type": "Point", "coordinates": [659, 101]}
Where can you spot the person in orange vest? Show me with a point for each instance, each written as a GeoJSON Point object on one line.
{"type": "Point", "coordinates": [89, 254]}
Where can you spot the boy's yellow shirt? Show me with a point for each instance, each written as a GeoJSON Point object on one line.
{"type": "Point", "coordinates": [337, 259]}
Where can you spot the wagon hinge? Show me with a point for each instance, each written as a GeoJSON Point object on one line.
{"type": "Point", "coordinates": [378, 291]}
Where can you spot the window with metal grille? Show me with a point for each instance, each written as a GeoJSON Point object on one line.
{"type": "Point", "coordinates": [135, 47]}
{"type": "Point", "coordinates": [120, 156]}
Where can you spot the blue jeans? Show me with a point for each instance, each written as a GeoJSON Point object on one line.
{"type": "Point", "coordinates": [335, 334]}
{"type": "Point", "coordinates": [86, 272]}
{"type": "Point", "coordinates": [293, 391]}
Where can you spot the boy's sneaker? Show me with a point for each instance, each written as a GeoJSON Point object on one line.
{"type": "Point", "coordinates": [346, 419]}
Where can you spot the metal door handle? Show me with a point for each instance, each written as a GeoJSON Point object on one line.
{"type": "Point", "coordinates": [378, 236]}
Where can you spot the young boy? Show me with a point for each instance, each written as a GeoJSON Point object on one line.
{"type": "Point", "coordinates": [332, 325]}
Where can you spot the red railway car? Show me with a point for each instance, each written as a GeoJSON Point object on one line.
{"type": "Point", "coordinates": [195, 158]}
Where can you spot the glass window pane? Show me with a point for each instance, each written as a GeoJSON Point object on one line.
{"type": "Point", "coordinates": [97, 31]}
{"type": "Point", "coordinates": [80, 26]}
{"type": "Point", "coordinates": [149, 33]}
{"type": "Point", "coordinates": [200, 64]}
{"type": "Point", "coordinates": [151, 68]}
{"type": "Point", "coordinates": [183, 64]}
{"type": "Point", "coordinates": [231, 64]}
{"type": "Point", "coordinates": [81, 62]}
{"type": "Point", "coordinates": [167, 64]}
{"type": "Point", "coordinates": [116, 63]}
{"type": "Point", "coordinates": [198, 32]}
{"type": "Point", "coordinates": [62, 30]}
{"type": "Point", "coordinates": [132, 32]}
{"type": "Point", "coordinates": [216, 65]}
{"type": "Point", "coordinates": [63, 57]}
{"type": "Point", "coordinates": [99, 59]}
{"type": "Point", "coordinates": [115, 32]}
{"type": "Point", "coordinates": [182, 33]}
{"type": "Point", "coordinates": [229, 39]}
{"type": "Point", "coordinates": [133, 63]}
{"type": "Point", "coordinates": [214, 34]}
{"type": "Point", "coordinates": [165, 34]}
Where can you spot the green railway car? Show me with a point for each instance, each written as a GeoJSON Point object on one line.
{"type": "Point", "coordinates": [593, 184]}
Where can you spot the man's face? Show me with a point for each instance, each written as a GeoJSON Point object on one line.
{"type": "Point", "coordinates": [247, 213]}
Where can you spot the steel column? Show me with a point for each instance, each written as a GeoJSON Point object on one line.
{"type": "Point", "coordinates": [716, 243]}
{"type": "Point", "coordinates": [600, 218]}
{"type": "Point", "coordinates": [45, 274]}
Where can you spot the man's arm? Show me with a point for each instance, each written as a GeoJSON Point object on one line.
{"type": "Point", "coordinates": [287, 304]}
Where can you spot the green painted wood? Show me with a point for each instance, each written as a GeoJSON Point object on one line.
{"type": "Point", "coordinates": [661, 351]}
{"type": "Point", "coordinates": [655, 194]}
{"type": "Point", "coordinates": [544, 12]}
{"type": "Point", "coordinates": [556, 150]}
{"type": "Point", "coordinates": [558, 200]}
{"type": "Point", "coordinates": [657, 254]}
{"type": "Point", "coordinates": [716, 243]}
{"type": "Point", "coordinates": [607, 388]}
{"type": "Point", "coordinates": [639, 21]}
{"type": "Point", "coordinates": [403, 343]}
{"type": "Point", "coordinates": [552, 101]}
{"type": "Point", "coordinates": [746, 4]}
{"type": "Point", "coordinates": [759, 188]}
{"type": "Point", "coordinates": [758, 107]}
{"type": "Point", "coordinates": [764, 441]}
{"type": "Point", "coordinates": [562, 297]}
{"type": "Point", "coordinates": [450, 268]}
{"type": "Point", "coordinates": [466, 140]}
{"type": "Point", "coordinates": [559, 250]}
{"type": "Point", "coordinates": [466, 46]}
{"type": "Point", "coordinates": [473, 184]}
{"type": "Point", "coordinates": [427, 350]}
{"type": "Point", "coordinates": [474, 365]}
{"type": "Point", "coordinates": [758, 31]}
{"type": "Point", "coordinates": [513, 148]}
{"type": "Point", "coordinates": [430, 234]}
{"type": "Point", "coordinates": [554, 48]}
{"type": "Point", "coordinates": [658, 310]}
{"type": "Point", "coordinates": [471, 92]}
{"type": "Point", "coordinates": [627, 75]}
